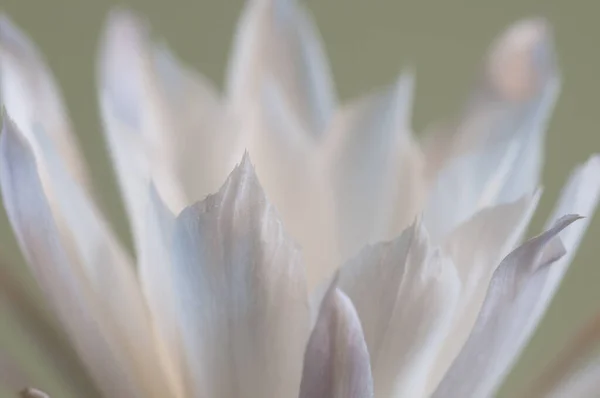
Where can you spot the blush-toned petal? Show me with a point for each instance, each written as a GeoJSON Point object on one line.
{"type": "Point", "coordinates": [336, 361]}
{"type": "Point", "coordinates": [242, 298]}
{"type": "Point", "coordinates": [376, 167]}
{"type": "Point", "coordinates": [65, 285]}
{"type": "Point", "coordinates": [584, 383]}
{"type": "Point", "coordinates": [507, 318]}
{"type": "Point", "coordinates": [494, 153]}
{"type": "Point", "coordinates": [30, 95]}
{"type": "Point", "coordinates": [405, 293]}
{"type": "Point", "coordinates": [163, 122]}
{"type": "Point", "coordinates": [277, 39]}
{"type": "Point", "coordinates": [477, 247]}
{"type": "Point", "coordinates": [292, 173]}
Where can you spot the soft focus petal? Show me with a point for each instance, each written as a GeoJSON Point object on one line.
{"type": "Point", "coordinates": [495, 152]}
{"type": "Point", "coordinates": [241, 294]}
{"type": "Point", "coordinates": [162, 122]}
{"type": "Point", "coordinates": [477, 247]}
{"type": "Point", "coordinates": [156, 277]}
{"type": "Point", "coordinates": [376, 167]}
{"type": "Point", "coordinates": [292, 173]}
{"type": "Point", "coordinates": [64, 284]}
{"type": "Point", "coordinates": [507, 318]}
{"type": "Point", "coordinates": [584, 383]}
{"type": "Point", "coordinates": [405, 293]}
{"type": "Point", "coordinates": [30, 96]}
{"type": "Point", "coordinates": [276, 39]}
{"type": "Point", "coordinates": [336, 362]}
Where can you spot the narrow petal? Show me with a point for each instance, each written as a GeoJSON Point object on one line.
{"type": "Point", "coordinates": [579, 196]}
{"type": "Point", "coordinates": [30, 95]}
{"type": "Point", "coordinates": [477, 247]}
{"type": "Point", "coordinates": [376, 167]}
{"type": "Point", "coordinates": [507, 318]}
{"type": "Point", "coordinates": [277, 39]}
{"type": "Point", "coordinates": [336, 362]}
{"type": "Point", "coordinates": [64, 284]}
{"type": "Point", "coordinates": [163, 122]}
{"type": "Point", "coordinates": [242, 300]}
{"type": "Point", "coordinates": [292, 173]}
{"type": "Point", "coordinates": [156, 277]}
{"type": "Point", "coordinates": [494, 154]}
{"type": "Point", "coordinates": [405, 293]}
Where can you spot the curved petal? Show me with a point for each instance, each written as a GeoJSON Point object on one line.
{"type": "Point", "coordinates": [477, 247]}
{"type": "Point", "coordinates": [584, 383]}
{"type": "Point", "coordinates": [69, 291]}
{"type": "Point", "coordinates": [162, 122]}
{"type": "Point", "coordinates": [30, 95]}
{"type": "Point", "coordinates": [507, 318]}
{"type": "Point", "coordinates": [276, 39]}
{"type": "Point", "coordinates": [405, 293]}
{"type": "Point", "coordinates": [376, 167]}
{"type": "Point", "coordinates": [495, 153]}
{"type": "Point", "coordinates": [291, 171]}
{"type": "Point", "coordinates": [242, 301]}
{"type": "Point", "coordinates": [336, 362]}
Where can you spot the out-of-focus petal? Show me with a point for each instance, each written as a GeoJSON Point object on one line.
{"type": "Point", "coordinates": [336, 362]}
{"type": "Point", "coordinates": [584, 383]}
{"type": "Point", "coordinates": [477, 247]}
{"type": "Point", "coordinates": [163, 123]}
{"type": "Point", "coordinates": [31, 97]}
{"type": "Point", "coordinates": [66, 286]}
{"type": "Point", "coordinates": [507, 318]}
{"type": "Point", "coordinates": [242, 298]}
{"type": "Point", "coordinates": [292, 173]}
{"type": "Point", "coordinates": [495, 152]}
{"type": "Point", "coordinates": [376, 167]}
{"type": "Point", "coordinates": [277, 39]}
{"type": "Point", "coordinates": [405, 293]}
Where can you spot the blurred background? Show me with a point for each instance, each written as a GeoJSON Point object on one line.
{"type": "Point", "coordinates": [368, 43]}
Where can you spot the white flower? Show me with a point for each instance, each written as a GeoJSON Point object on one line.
{"type": "Point", "coordinates": [404, 273]}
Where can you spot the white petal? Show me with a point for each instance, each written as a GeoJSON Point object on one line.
{"type": "Point", "coordinates": [495, 153]}
{"type": "Point", "coordinates": [584, 383]}
{"type": "Point", "coordinates": [66, 286]}
{"type": "Point", "coordinates": [579, 196]}
{"type": "Point", "coordinates": [405, 294]}
{"type": "Point", "coordinates": [162, 122]}
{"type": "Point", "coordinates": [336, 362]}
{"type": "Point", "coordinates": [277, 39]}
{"type": "Point", "coordinates": [241, 294]}
{"type": "Point", "coordinates": [376, 167]}
{"type": "Point", "coordinates": [507, 318]}
{"type": "Point", "coordinates": [156, 277]}
{"type": "Point", "coordinates": [30, 96]}
{"type": "Point", "coordinates": [292, 173]}
{"type": "Point", "coordinates": [477, 247]}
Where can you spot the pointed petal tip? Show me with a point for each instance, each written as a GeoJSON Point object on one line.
{"type": "Point", "coordinates": [523, 59]}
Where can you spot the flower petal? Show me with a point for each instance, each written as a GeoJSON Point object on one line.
{"type": "Point", "coordinates": [405, 293]}
{"type": "Point", "coordinates": [507, 318]}
{"type": "Point", "coordinates": [376, 167]}
{"type": "Point", "coordinates": [277, 39]}
{"type": "Point", "coordinates": [291, 171]}
{"type": "Point", "coordinates": [336, 362]}
{"type": "Point", "coordinates": [162, 121]}
{"type": "Point", "coordinates": [584, 383]}
{"type": "Point", "coordinates": [242, 299]}
{"type": "Point", "coordinates": [477, 247]}
{"type": "Point", "coordinates": [495, 153]}
{"type": "Point", "coordinates": [64, 284]}
{"type": "Point", "coordinates": [30, 95]}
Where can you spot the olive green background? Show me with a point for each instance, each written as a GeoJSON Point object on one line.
{"type": "Point", "coordinates": [368, 43]}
